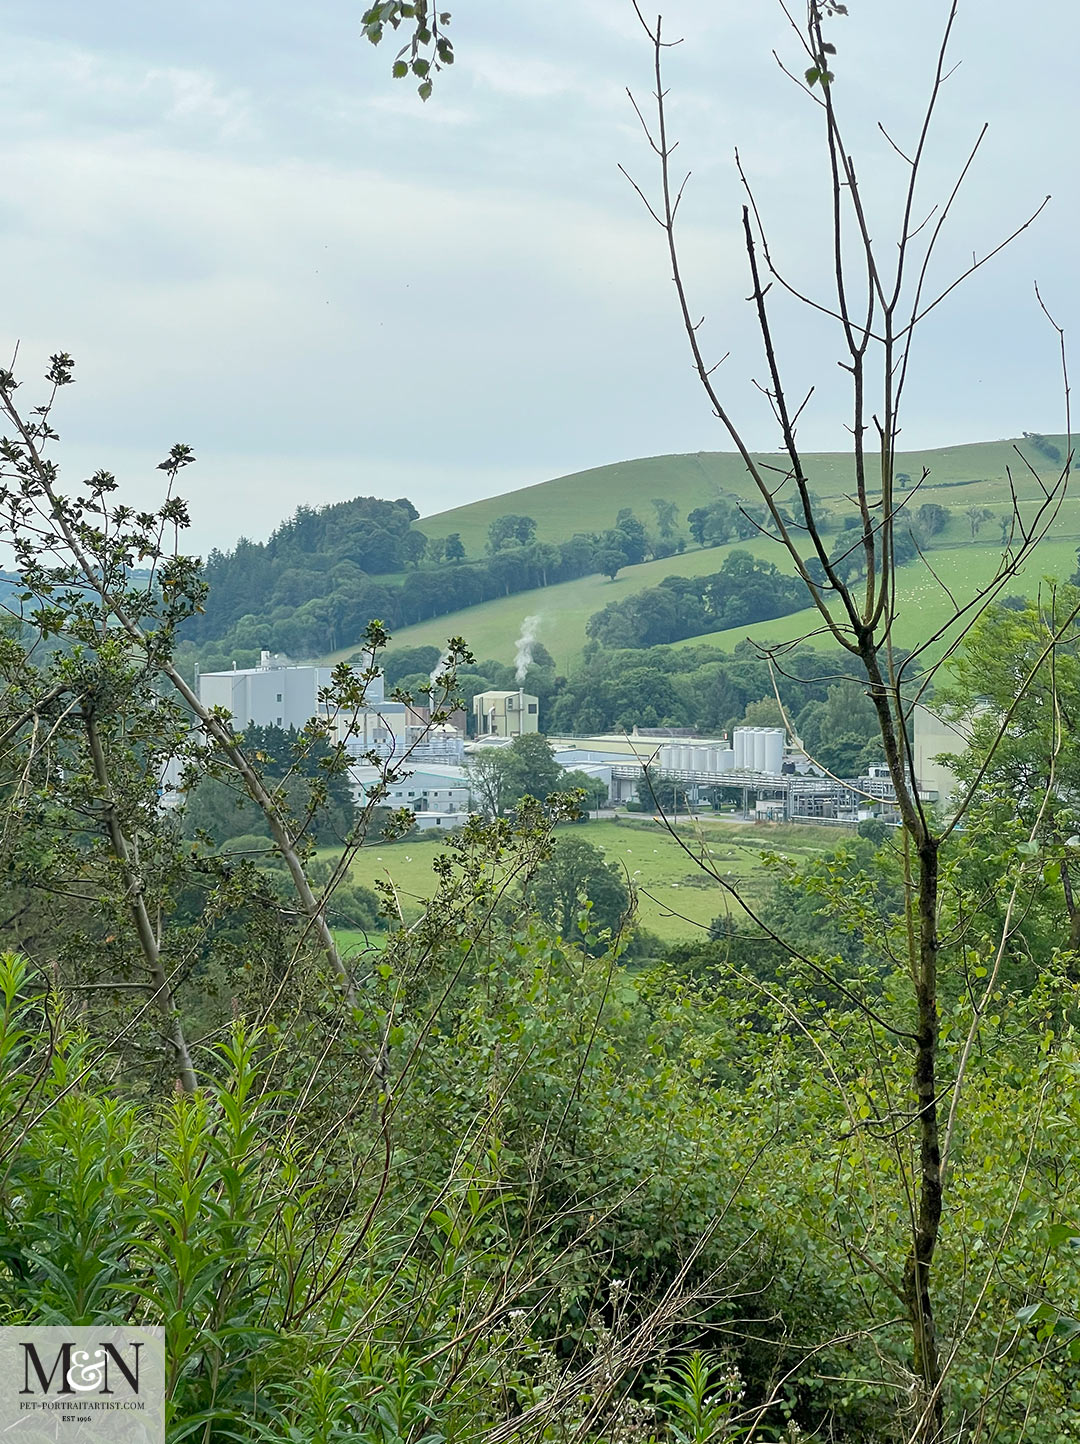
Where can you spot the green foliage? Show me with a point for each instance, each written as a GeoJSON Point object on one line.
{"type": "Point", "coordinates": [931, 518]}
{"type": "Point", "coordinates": [577, 890]}
{"type": "Point", "coordinates": [1028, 772]}
{"type": "Point", "coordinates": [594, 792]}
{"type": "Point", "coordinates": [428, 49]}
{"type": "Point", "coordinates": [976, 516]}
{"type": "Point", "coordinates": [745, 589]}
{"type": "Point", "coordinates": [666, 515]}
{"type": "Point", "coordinates": [841, 731]}
{"type": "Point", "coordinates": [666, 795]}
{"type": "Point", "coordinates": [1043, 445]}
{"type": "Point", "coordinates": [610, 561]}
{"type": "Point", "coordinates": [511, 530]}
{"type": "Point", "coordinates": [297, 762]}
{"type": "Point", "coordinates": [530, 769]}
{"type": "Point", "coordinates": [501, 776]}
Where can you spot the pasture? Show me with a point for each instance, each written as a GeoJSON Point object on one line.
{"type": "Point", "coordinates": [676, 899]}
{"type": "Point", "coordinates": [959, 478]}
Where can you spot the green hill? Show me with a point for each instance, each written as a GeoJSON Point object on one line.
{"type": "Point", "coordinates": [588, 500]}
{"type": "Point", "coordinates": [959, 477]}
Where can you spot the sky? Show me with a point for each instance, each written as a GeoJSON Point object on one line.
{"type": "Point", "coordinates": [255, 241]}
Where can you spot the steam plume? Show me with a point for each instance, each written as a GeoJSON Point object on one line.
{"type": "Point", "coordinates": [440, 666]}
{"type": "Point", "coordinates": [530, 629]}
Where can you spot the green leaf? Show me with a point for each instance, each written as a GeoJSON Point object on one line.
{"type": "Point", "coordinates": [1059, 1233]}
{"type": "Point", "coordinates": [424, 91]}
{"type": "Point", "coordinates": [400, 69]}
{"type": "Point", "coordinates": [813, 75]}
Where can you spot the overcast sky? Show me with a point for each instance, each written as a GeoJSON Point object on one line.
{"type": "Point", "coordinates": [255, 241]}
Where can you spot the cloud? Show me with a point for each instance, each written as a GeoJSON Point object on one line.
{"type": "Point", "coordinates": [195, 95]}
{"type": "Point", "coordinates": [257, 242]}
{"type": "Point", "coordinates": [55, 88]}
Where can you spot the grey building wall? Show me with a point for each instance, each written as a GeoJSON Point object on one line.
{"type": "Point", "coordinates": [280, 694]}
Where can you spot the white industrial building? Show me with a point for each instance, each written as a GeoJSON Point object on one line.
{"type": "Point", "coordinates": [700, 762]}
{"type": "Point", "coordinates": [758, 749]}
{"type": "Point", "coordinates": [280, 693]}
{"type": "Point", "coordinates": [776, 783]}
{"type": "Point", "coordinates": [276, 693]}
{"type": "Point", "coordinates": [439, 796]}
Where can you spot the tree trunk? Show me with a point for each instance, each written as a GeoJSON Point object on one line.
{"type": "Point", "coordinates": [916, 1284]}
{"type": "Point", "coordinates": [926, 1221]}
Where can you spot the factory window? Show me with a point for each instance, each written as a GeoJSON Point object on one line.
{"type": "Point", "coordinates": [279, 696]}
{"type": "Point", "coordinates": [279, 719]}
{"type": "Point", "coordinates": [532, 707]}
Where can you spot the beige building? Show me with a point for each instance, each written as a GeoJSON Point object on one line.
{"type": "Point", "coordinates": [932, 737]}
{"type": "Point", "coordinates": [505, 714]}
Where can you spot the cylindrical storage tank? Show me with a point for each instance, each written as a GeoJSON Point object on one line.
{"type": "Point", "coordinates": [727, 759]}
{"type": "Point", "coordinates": [682, 758]}
{"type": "Point", "coordinates": [759, 749]}
{"type": "Point", "coordinates": [740, 747]}
{"type": "Point", "coordinates": [774, 749]}
{"type": "Point", "coordinates": [666, 761]}
{"type": "Point", "coordinates": [712, 763]}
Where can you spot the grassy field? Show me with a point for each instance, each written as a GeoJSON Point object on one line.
{"type": "Point", "coordinates": [676, 899]}
{"type": "Point", "coordinates": [589, 500]}
{"type": "Point", "coordinates": [925, 606]}
{"type": "Point", "coordinates": [960, 477]}
{"type": "Point", "coordinates": [492, 628]}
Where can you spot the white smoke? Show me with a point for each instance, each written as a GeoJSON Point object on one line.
{"type": "Point", "coordinates": [440, 667]}
{"type": "Point", "coordinates": [523, 647]}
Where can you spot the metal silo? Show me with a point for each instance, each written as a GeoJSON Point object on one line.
{"type": "Point", "coordinates": [727, 759]}
{"type": "Point", "coordinates": [774, 749]}
{"type": "Point", "coordinates": [760, 736]}
{"type": "Point", "coordinates": [740, 747]}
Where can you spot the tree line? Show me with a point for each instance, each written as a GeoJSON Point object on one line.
{"type": "Point", "coordinates": [746, 589]}
{"type": "Point", "coordinates": [322, 576]}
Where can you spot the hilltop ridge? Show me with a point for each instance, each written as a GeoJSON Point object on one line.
{"type": "Point", "coordinates": [311, 589]}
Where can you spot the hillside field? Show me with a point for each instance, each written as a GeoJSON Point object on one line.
{"type": "Point", "coordinates": [492, 628]}
{"type": "Point", "coordinates": [676, 900]}
{"type": "Point", "coordinates": [960, 477]}
{"type": "Point", "coordinates": [589, 500]}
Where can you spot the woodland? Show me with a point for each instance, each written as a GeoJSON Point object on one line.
{"type": "Point", "coordinates": [493, 1173]}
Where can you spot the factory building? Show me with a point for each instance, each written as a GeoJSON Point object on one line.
{"type": "Point", "coordinates": [505, 714]}
{"type": "Point", "coordinates": [440, 797]}
{"type": "Point", "coordinates": [280, 693]}
{"type": "Point", "coordinates": [934, 737]}
{"type": "Point", "coordinates": [274, 694]}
